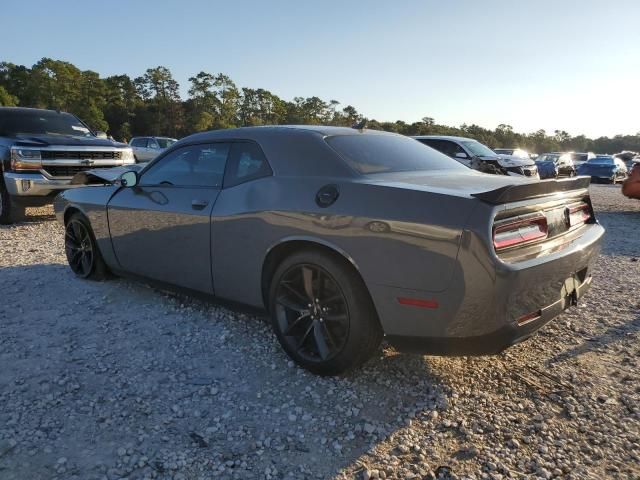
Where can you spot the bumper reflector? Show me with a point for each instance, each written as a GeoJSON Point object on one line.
{"type": "Point", "coordinates": [529, 317]}
{"type": "Point", "coordinates": [417, 302]}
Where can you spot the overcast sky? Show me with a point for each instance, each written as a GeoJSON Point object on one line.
{"type": "Point", "coordinates": [572, 65]}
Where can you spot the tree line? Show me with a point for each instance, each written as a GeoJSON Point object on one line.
{"type": "Point", "coordinates": [151, 105]}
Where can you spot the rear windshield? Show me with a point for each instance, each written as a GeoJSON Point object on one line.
{"type": "Point", "coordinates": [389, 153]}
{"type": "Point", "coordinates": [601, 161]}
{"type": "Point", "coordinates": [40, 122]}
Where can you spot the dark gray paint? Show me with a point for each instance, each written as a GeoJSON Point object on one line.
{"type": "Point", "coordinates": [420, 235]}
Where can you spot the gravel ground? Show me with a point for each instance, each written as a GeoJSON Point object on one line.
{"type": "Point", "coordinates": [118, 380]}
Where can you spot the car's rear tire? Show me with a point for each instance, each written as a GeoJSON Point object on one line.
{"type": "Point", "coordinates": [10, 211]}
{"type": "Point", "coordinates": [322, 313]}
{"type": "Point", "coordinates": [81, 248]}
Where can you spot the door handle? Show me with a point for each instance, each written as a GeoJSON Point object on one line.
{"type": "Point", "coordinates": [199, 204]}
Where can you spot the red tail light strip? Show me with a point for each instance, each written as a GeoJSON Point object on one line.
{"type": "Point", "coordinates": [520, 231]}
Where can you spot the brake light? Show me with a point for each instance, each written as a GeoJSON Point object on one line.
{"type": "Point", "coordinates": [579, 214]}
{"type": "Point", "coordinates": [521, 230]}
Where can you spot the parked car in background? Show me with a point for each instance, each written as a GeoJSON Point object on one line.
{"type": "Point", "coordinates": [580, 157]}
{"type": "Point", "coordinates": [555, 164]}
{"type": "Point", "coordinates": [40, 150]}
{"type": "Point", "coordinates": [440, 258]}
{"type": "Point", "coordinates": [146, 149]}
{"type": "Point", "coordinates": [512, 152]}
{"type": "Point", "coordinates": [479, 157]}
{"type": "Point", "coordinates": [604, 168]}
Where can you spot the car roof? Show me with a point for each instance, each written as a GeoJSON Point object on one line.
{"type": "Point", "coordinates": [442, 137]}
{"type": "Point", "coordinates": [292, 150]}
{"type": "Point", "coordinates": [29, 109]}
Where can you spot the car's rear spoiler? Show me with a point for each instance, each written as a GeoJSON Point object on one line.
{"type": "Point", "coordinates": [526, 191]}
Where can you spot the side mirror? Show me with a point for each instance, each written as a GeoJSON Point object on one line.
{"type": "Point", "coordinates": [129, 179]}
{"type": "Point", "coordinates": [461, 155]}
{"type": "Point", "coordinates": [101, 134]}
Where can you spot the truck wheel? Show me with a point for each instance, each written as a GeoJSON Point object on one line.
{"type": "Point", "coordinates": [82, 251]}
{"type": "Point", "coordinates": [322, 313]}
{"type": "Point", "coordinates": [9, 211]}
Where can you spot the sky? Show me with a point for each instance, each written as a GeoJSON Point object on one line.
{"type": "Point", "coordinates": [566, 65]}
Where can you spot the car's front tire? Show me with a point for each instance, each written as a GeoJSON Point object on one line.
{"type": "Point", "coordinates": [83, 255]}
{"type": "Point", "coordinates": [322, 313]}
{"type": "Point", "coordinates": [10, 211]}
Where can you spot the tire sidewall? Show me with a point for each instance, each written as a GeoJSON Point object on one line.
{"type": "Point", "coordinates": [363, 320]}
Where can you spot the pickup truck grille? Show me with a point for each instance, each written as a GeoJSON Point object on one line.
{"type": "Point", "coordinates": [80, 155]}
{"type": "Point", "coordinates": [69, 170]}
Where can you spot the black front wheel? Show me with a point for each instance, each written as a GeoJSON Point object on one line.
{"type": "Point", "coordinates": [81, 249]}
{"type": "Point", "coordinates": [322, 313]}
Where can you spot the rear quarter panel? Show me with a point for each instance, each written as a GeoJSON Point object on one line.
{"type": "Point", "coordinates": [394, 236]}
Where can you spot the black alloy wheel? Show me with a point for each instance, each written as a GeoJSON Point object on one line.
{"type": "Point", "coordinates": [79, 248]}
{"type": "Point", "coordinates": [322, 313]}
{"type": "Point", "coordinates": [312, 312]}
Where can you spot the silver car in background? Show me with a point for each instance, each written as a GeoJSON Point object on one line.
{"type": "Point", "coordinates": [146, 149]}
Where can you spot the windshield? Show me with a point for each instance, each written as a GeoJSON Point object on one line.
{"type": "Point", "coordinates": [165, 142]}
{"type": "Point", "coordinates": [389, 153]}
{"type": "Point", "coordinates": [40, 122]}
{"type": "Point", "coordinates": [601, 161]}
{"type": "Point", "coordinates": [478, 149]}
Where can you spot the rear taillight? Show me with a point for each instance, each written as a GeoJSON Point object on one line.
{"type": "Point", "coordinates": [579, 214]}
{"type": "Point", "coordinates": [521, 230]}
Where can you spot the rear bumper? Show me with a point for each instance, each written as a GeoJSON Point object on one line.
{"type": "Point", "coordinates": [490, 343]}
{"type": "Point", "coordinates": [482, 311]}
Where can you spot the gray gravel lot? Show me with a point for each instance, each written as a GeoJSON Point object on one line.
{"type": "Point", "coordinates": [118, 380]}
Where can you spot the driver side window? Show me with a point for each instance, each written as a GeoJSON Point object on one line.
{"type": "Point", "coordinates": [190, 166]}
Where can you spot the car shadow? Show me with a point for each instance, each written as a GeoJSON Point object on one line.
{"type": "Point", "coordinates": [159, 350]}
{"type": "Point", "coordinates": [626, 332]}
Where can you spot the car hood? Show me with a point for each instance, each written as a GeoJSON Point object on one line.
{"type": "Point", "coordinates": [101, 176]}
{"type": "Point", "coordinates": [29, 140]}
{"type": "Point", "coordinates": [511, 161]}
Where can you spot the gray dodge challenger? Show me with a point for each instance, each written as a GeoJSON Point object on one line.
{"type": "Point", "coordinates": [344, 236]}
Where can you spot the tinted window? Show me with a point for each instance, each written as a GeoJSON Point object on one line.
{"type": "Point", "coordinates": [601, 161]}
{"type": "Point", "coordinates": [389, 153]}
{"type": "Point", "coordinates": [15, 122]}
{"type": "Point", "coordinates": [246, 162]}
{"type": "Point", "coordinates": [193, 166]}
{"type": "Point", "coordinates": [139, 142]}
{"type": "Point", "coordinates": [165, 142]}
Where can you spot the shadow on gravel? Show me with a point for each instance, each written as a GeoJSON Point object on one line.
{"type": "Point", "coordinates": [613, 334]}
{"type": "Point", "coordinates": [115, 365]}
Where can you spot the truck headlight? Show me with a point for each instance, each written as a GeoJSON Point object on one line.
{"type": "Point", "coordinates": [25, 159]}
{"type": "Point", "coordinates": [127, 155]}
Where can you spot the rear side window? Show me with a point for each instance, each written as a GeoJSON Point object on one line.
{"type": "Point", "coordinates": [389, 153]}
{"type": "Point", "coordinates": [246, 162]}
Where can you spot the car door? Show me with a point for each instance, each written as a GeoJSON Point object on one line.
{"type": "Point", "coordinates": [139, 148]}
{"type": "Point", "coordinates": [153, 148]}
{"type": "Point", "coordinates": [160, 229]}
